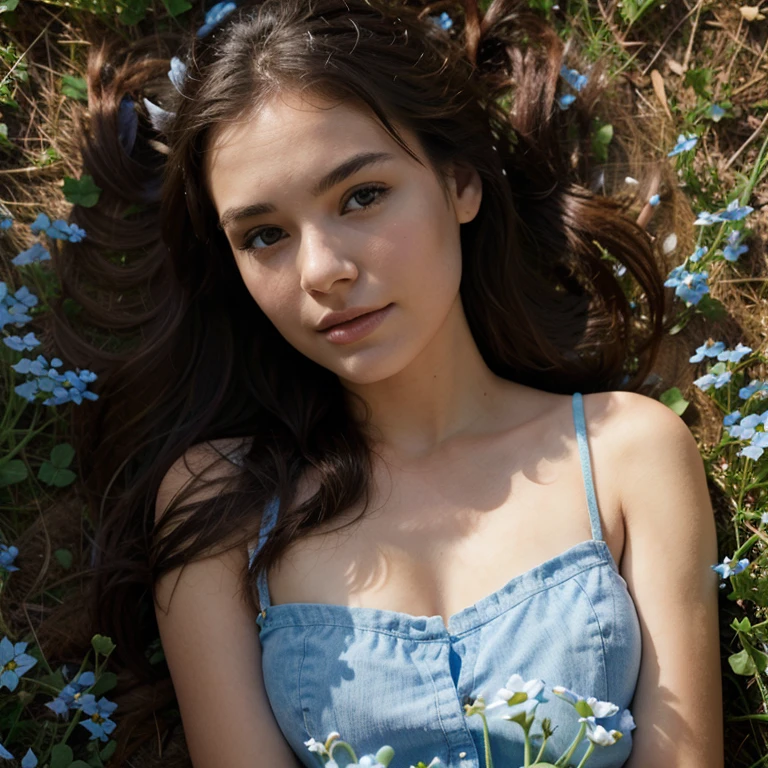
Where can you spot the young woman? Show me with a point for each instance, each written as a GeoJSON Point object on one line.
{"type": "Point", "coordinates": [382, 287]}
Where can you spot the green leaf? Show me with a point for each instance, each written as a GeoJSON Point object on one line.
{"type": "Point", "coordinates": [673, 398]}
{"type": "Point", "coordinates": [741, 626]}
{"type": "Point", "coordinates": [61, 756]}
{"type": "Point", "coordinates": [79, 764]}
{"type": "Point", "coordinates": [56, 679]}
{"type": "Point", "coordinates": [712, 309]}
{"type": "Point", "coordinates": [59, 478]}
{"type": "Point", "coordinates": [64, 558]}
{"type": "Point", "coordinates": [8, 5]}
{"type": "Point", "coordinates": [13, 471]}
{"type": "Point", "coordinates": [742, 664]}
{"type": "Point", "coordinates": [699, 80]}
{"type": "Point", "coordinates": [108, 750]}
{"type": "Point", "coordinates": [106, 682]}
{"type": "Point", "coordinates": [62, 455]}
{"type": "Point", "coordinates": [176, 7]}
{"type": "Point", "coordinates": [601, 138]}
{"type": "Point", "coordinates": [74, 87]}
{"type": "Point", "coordinates": [4, 140]}
{"type": "Point", "coordinates": [102, 644]}
{"type": "Point", "coordinates": [81, 191]}
{"type": "Point", "coordinates": [132, 11]}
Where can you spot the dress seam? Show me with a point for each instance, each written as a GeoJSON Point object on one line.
{"type": "Point", "coordinates": [461, 633]}
{"type": "Point", "coordinates": [298, 685]}
{"type": "Point", "coordinates": [602, 640]}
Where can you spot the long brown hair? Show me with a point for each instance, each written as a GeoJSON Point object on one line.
{"type": "Point", "coordinates": [198, 360]}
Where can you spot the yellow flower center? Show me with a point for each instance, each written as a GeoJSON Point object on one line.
{"type": "Point", "coordinates": [97, 718]}
{"type": "Point", "coordinates": [10, 666]}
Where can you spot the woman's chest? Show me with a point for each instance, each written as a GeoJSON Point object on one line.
{"type": "Point", "coordinates": [435, 540]}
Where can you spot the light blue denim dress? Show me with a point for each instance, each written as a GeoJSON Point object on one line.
{"type": "Point", "coordinates": [380, 677]}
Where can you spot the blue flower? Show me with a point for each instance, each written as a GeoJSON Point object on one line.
{"type": "Point", "coordinates": [689, 286]}
{"type": "Point", "coordinates": [707, 349]}
{"type": "Point", "coordinates": [443, 20]}
{"type": "Point", "coordinates": [734, 355]}
{"type": "Point", "coordinates": [566, 100]}
{"type": "Point", "coordinates": [99, 724]}
{"type": "Point", "coordinates": [76, 234]}
{"type": "Point", "coordinates": [36, 253]}
{"type": "Point", "coordinates": [21, 344]}
{"type": "Point", "coordinates": [71, 386]}
{"type": "Point", "coordinates": [753, 452]}
{"type": "Point", "coordinates": [704, 219]}
{"type": "Point", "coordinates": [70, 695]}
{"type": "Point", "coordinates": [7, 556]}
{"type": "Point", "coordinates": [177, 73]}
{"type": "Point", "coordinates": [734, 212]}
{"type": "Point", "coordinates": [5, 754]}
{"type": "Point", "coordinates": [698, 253]}
{"type": "Point", "coordinates": [731, 418]}
{"type": "Point", "coordinates": [725, 569]}
{"type": "Point", "coordinates": [40, 224]}
{"type": "Point", "coordinates": [764, 518]}
{"type": "Point", "coordinates": [6, 222]}
{"type": "Point", "coordinates": [214, 16]}
{"type": "Point", "coordinates": [654, 200]}
{"type": "Point", "coordinates": [684, 144]}
{"type": "Point", "coordinates": [715, 112]}
{"type": "Point", "coordinates": [754, 386]}
{"type": "Point", "coordinates": [710, 379]}
{"type": "Point", "coordinates": [29, 760]}
{"type": "Point", "coordinates": [13, 308]}
{"type": "Point", "coordinates": [13, 663]}
{"type": "Point", "coordinates": [745, 429]}
{"type": "Point", "coordinates": [58, 230]}
{"type": "Point", "coordinates": [573, 78]}
{"type": "Point", "coordinates": [734, 249]}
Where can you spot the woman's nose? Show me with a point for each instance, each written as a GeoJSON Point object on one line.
{"type": "Point", "coordinates": [323, 260]}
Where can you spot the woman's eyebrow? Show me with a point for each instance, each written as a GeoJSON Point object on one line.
{"type": "Point", "coordinates": [342, 171]}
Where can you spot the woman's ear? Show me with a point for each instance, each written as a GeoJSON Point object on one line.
{"type": "Point", "coordinates": [466, 189]}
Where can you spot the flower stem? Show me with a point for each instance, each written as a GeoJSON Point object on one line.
{"type": "Point", "coordinates": [564, 758]}
{"type": "Point", "coordinates": [527, 752]}
{"type": "Point", "coordinates": [487, 740]}
{"type": "Point", "coordinates": [339, 743]}
{"type": "Point", "coordinates": [541, 750]}
{"type": "Point", "coordinates": [586, 755]}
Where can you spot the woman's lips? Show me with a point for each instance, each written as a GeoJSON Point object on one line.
{"type": "Point", "coordinates": [359, 328]}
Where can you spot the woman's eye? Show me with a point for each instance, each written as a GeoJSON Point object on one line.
{"type": "Point", "coordinates": [269, 236]}
{"type": "Point", "coordinates": [366, 197]}
{"type": "Point", "coordinates": [365, 193]}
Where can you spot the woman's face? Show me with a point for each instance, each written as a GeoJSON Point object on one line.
{"type": "Point", "coordinates": [315, 241]}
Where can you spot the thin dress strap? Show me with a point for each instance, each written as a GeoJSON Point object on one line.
{"type": "Point", "coordinates": [267, 523]}
{"type": "Point", "coordinates": [586, 468]}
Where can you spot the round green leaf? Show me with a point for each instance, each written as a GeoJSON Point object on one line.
{"type": "Point", "coordinates": [64, 558]}
{"type": "Point", "coordinates": [61, 756]}
{"type": "Point", "coordinates": [62, 455]}
{"type": "Point", "coordinates": [14, 471]}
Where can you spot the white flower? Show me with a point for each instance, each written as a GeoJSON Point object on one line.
{"type": "Point", "coordinates": [316, 746]}
{"type": "Point", "coordinates": [601, 708]}
{"type": "Point", "coordinates": [598, 735]}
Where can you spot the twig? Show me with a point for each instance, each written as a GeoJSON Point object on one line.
{"type": "Point", "coordinates": [666, 40]}
{"type": "Point", "coordinates": [735, 56]}
{"type": "Point", "coordinates": [689, 50]}
{"type": "Point", "coordinates": [747, 142]}
{"type": "Point", "coordinates": [29, 48]}
{"type": "Point", "coordinates": [28, 169]}
{"type": "Point", "coordinates": [737, 91]}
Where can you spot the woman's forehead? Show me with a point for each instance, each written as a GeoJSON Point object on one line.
{"type": "Point", "coordinates": [291, 137]}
